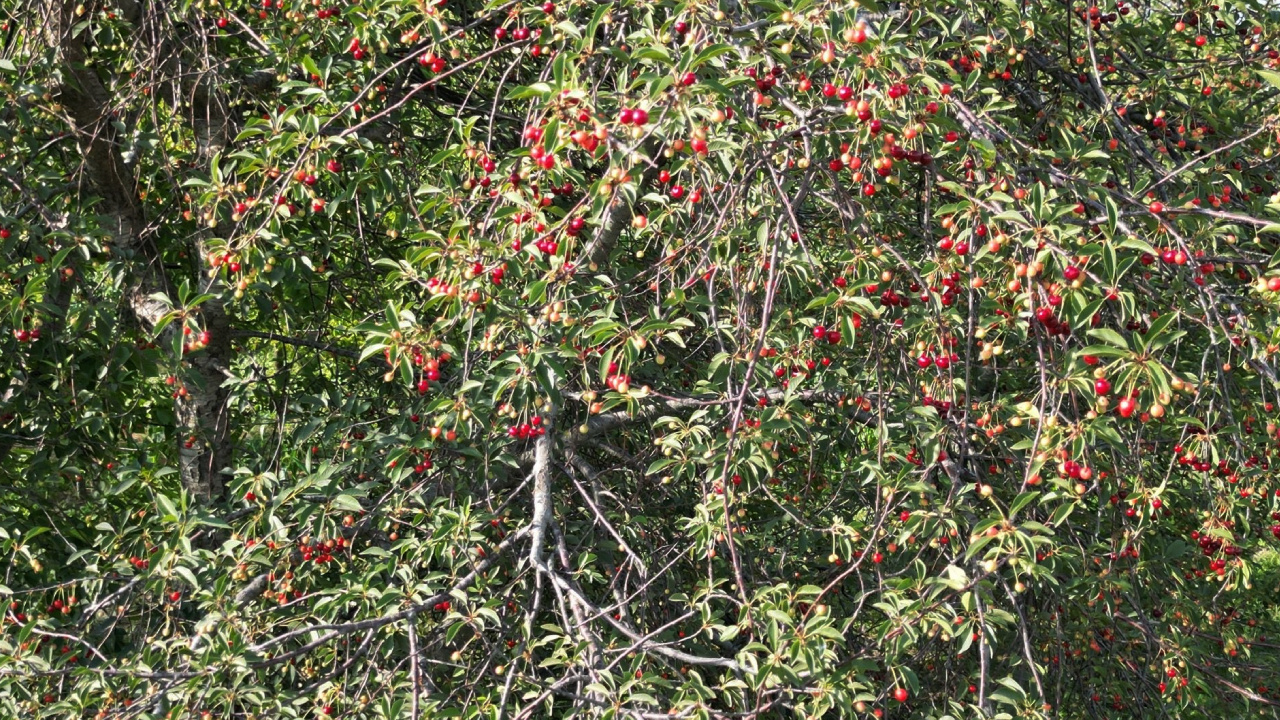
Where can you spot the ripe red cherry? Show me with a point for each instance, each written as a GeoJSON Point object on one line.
{"type": "Point", "coordinates": [688, 79]}
{"type": "Point", "coordinates": [222, 22]}
{"type": "Point", "coordinates": [1127, 407]}
{"type": "Point", "coordinates": [900, 695]}
{"type": "Point", "coordinates": [1102, 386]}
{"type": "Point", "coordinates": [333, 166]}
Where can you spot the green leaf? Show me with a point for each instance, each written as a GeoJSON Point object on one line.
{"type": "Point", "coordinates": [1109, 336]}
{"type": "Point", "coordinates": [1270, 76]}
{"type": "Point", "coordinates": [346, 503]}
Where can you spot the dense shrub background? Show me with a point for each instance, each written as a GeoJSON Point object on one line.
{"type": "Point", "coordinates": [391, 358]}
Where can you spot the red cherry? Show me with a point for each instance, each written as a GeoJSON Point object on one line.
{"type": "Point", "coordinates": [900, 695]}
{"type": "Point", "coordinates": [1102, 386]}
{"type": "Point", "coordinates": [1127, 407]}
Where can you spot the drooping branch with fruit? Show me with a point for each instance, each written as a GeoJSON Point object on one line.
{"type": "Point", "coordinates": [391, 359]}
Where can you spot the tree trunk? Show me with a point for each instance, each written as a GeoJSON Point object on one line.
{"type": "Point", "coordinates": [202, 437]}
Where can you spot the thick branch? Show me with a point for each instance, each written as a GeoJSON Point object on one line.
{"type": "Point", "coordinates": [203, 442]}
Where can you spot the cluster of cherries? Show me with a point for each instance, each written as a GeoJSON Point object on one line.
{"type": "Point", "coordinates": [442, 606]}
{"type": "Point", "coordinates": [917, 157]}
{"type": "Point", "coordinates": [831, 336]}
{"type": "Point", "coordinates": [942, 360]}
{"type": "Point", "coordinates": [966, 64]}
{"type": "Point", "coordinates": [436, 286]}
{"type": "Point", "coordinates": [520, 33]}
{"type": "Point", "coordinates": [564, 190]}
{"type": "Point", "coordinates": [1168, 256]}
{"type": "Point", "coordinates": [1189, 459]}
{"type": "Point", "coordinates": [633, 116]}
{"type": "Point", "coordinates": [229, 260]}
{"type": "Point", "coordinates": [950, 284]}
{"type": "Point", "coordinates": [547, 245]}
{"type": "Point", "coordinates": [531, 429]}
{"type": "Point", "coordinates": [768, 81]}
{"type": "Point", "coordinates": [320, 551]}
{"type": "Point", "coordinates": [796, 371]}
{"type": "Point", "coordinates": [678, 191]}
{"type": "Point", "coordinates": [14, 608]}
{"type": "Point", "coordinates": [615, 381]}
{"type": "Point", "coordinates": [944, 407]}
{"type": "Point", "coordinates": [542, 158]}
{"type": "Point", "coordinates": [200, 341]}
{"type": "Point", "coordinates": [1097, 18]}
{"type": "Point", "coordinates": [1052, 325]}
{"type": "Point", "coordinates": [24, 335]}
{"type": "Point", "coordinates": [431, 62]}
{"type": "Point", "coordinates": [424, 463]}
{"type": "Point", "coordinates": [1210, 545]}
{"type": "Point", "coordinates": [890, 298]}
{"type": "Point", "coordinates": [1076, 471]}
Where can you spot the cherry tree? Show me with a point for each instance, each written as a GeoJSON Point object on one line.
{"type": "Point", "coordinates": [390, 359]}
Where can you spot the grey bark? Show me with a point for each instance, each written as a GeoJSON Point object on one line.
{"type": "Point", "coordinates": [202, 416]}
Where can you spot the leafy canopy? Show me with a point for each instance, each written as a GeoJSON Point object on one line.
{"type": "Point", "coordinates": [391, 359]}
